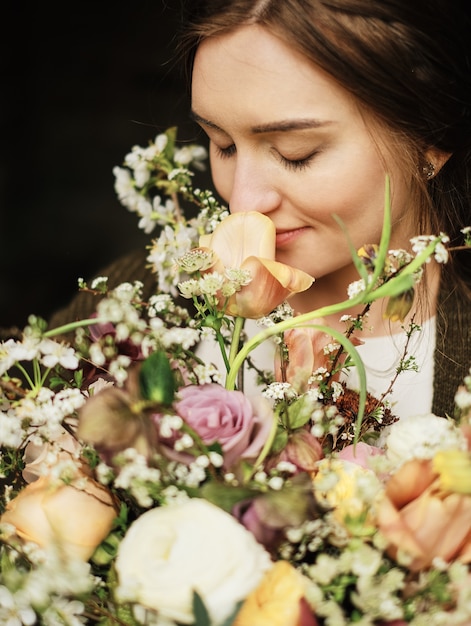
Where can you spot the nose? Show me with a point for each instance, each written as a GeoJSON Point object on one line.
{"type": "Point", "coordinates": [253, 187]}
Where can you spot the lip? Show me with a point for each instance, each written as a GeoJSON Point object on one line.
{"type": "Point", "coordinates": [286, 237]}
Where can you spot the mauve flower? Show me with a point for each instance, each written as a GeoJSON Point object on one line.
{"type": "Point", "coordinates": [126, 347]}
{"type": "Point", "coordinates": [302, 449]}
{"type": "Point", "coordinates": [247, 241]}
{"type": "Point", "coordinates": [268, 515]}
{"type": "Point", "coordinates": [98, 335]}
{"type": "Point", "coordinates": [278, 600]}
{"type": "Point", "coordinates": [419, 518]}
{"type": "Point", "coordinates": [113, 419]}
{"type": "Point", "coordinates": [226, 417]}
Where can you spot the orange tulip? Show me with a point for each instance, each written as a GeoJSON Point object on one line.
{"type": "Point", "coordinates": [278, 600]}
{"type": "Point", "coordinates": [247, 241]}
{"type": "Point", "coordinates": [305, 347]}
{"type": "Point", "coordinates": [422, 520]}
{"type": "Point", "coordinates": [49, 512]}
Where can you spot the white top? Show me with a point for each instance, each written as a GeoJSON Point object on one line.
{"type": "Point", "coordinates": [413, 390]}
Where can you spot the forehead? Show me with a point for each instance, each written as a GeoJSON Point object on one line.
{"type": "Point", "coordinates": [254, 73]}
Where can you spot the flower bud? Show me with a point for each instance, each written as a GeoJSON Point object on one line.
{"type": "Point", "coordinates": [399, 306]}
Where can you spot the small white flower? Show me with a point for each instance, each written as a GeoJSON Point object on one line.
{"type": "Point", "coordinates": [275, 483]}
{"type": "Point", "coordinates": [463, 398]}
{"type": "Point", "coordinates": [420, 437]}
{"type": "Point", "coordinates": [55, 353]}
{"type": "Point", "coordinates": [355, 288]}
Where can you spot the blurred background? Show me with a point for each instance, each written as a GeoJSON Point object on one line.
{"type": "Point", "coordinates": [80, 86]}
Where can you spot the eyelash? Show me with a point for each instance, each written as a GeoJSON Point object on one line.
{"type": "Point", "coordinates": [294, 165]}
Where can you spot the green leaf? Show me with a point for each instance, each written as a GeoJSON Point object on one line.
{"type": "Point", "coordinates": [230, 620]}
{"type": "Point", "coordinates": [200, 611]}
{"type": "Point", "coordinates": [280, 440]}
{"type": "Point", "coordinates": [225, 496]}
{"type": "Point", "coordinates": [201, 614]}
{"type": "Point", "coordinates": [157, 380]}
{"type": "Point", "coordinates": [395, 286]}
{"type": "Point", "coordinates": [300, 412]}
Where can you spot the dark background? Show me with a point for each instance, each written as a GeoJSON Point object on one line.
{"type": "Point", "coordinates": [80, 86]}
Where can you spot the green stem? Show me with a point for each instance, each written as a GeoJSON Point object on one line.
{"type": "Point", "coordinates": [67, 328]}
{"type": "Point", "coordinates": [238, 327]}
{"type": "Point", "coordinates": [25, 374]}
{"type": "Point", "coordinates": [222, 347]}
{"type": "Point", "coordinates": [280, 327]}
{"type": "Point", "coordinates": [267, 446]}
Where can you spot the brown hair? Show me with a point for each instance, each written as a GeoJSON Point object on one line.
{"type": "Point", "coordinates": [407, 61]}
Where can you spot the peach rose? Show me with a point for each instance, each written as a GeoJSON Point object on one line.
{"type": "Point", "coordinates": [48, 511]}
{"type": "Point", "coordinates": [423, 520]}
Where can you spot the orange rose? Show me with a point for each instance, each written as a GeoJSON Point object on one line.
{"type": "Point", "coordinates": [278, 600]}
{"type": "Point", "coordinates": [418, 517]}
{"type": "Point", "coordinates": [48, 511]}
{"type": "Point", "coordinates": [247, 241]}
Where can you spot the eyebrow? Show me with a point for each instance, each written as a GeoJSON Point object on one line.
{"type": "Point", "coordinates": [279, 126]}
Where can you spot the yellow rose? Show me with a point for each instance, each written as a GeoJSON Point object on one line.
{"type": "Point", "coordinates": [47, 512]}
{"type": "Point", "coordinates": [454, 468]}
{"type": "Point", "coordinates": [278, 600]}
{"type": "Point", "coordinates": [350, 490]}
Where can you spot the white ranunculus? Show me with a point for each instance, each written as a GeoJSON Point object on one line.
{"type": "Point", "coordinates": [169, 552]}
{"type": "Point", "coordinates": [421, 437]}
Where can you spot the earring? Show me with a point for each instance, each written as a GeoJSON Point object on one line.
{"type": "Point", "coordinates": [428, 170]}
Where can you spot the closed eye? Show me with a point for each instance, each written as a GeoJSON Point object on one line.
{"type": "Point", "coordinates": [296, 164]}
{"type": "Point", "coordinates": [225, 153]}
{"type": "Point", "coordinates": [290, 164]}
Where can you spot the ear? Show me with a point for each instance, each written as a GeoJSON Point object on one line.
{"type": "Point", "coordinates": [437, 159]}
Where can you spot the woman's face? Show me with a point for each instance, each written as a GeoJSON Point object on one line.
{"type": "Point", "coordinates": [288, 141]}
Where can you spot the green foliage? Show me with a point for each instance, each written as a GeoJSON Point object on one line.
{"type": "Point", "coordinates": [157, 380]}
{"type": "Point", "coordinates": [225, 496]}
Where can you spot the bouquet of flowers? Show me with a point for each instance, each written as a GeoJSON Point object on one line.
{"type": "Point", "coordinates": [144, 485]}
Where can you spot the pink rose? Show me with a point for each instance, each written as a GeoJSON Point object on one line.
{"type": "Point", "coordinates": [226, 417]}
{"type": "Point", "coordinates": [360, 454]}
